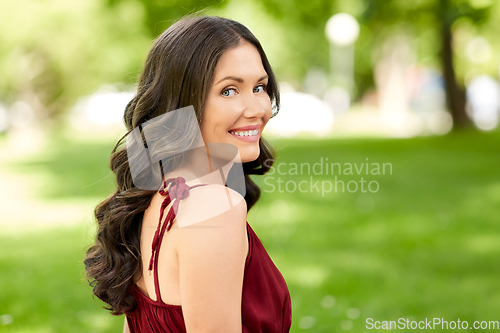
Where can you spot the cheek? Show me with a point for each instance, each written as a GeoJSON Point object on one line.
{"type": "Point", "coordinates": [265, 103]}
{"type": "Point", "coordinates": [215, 122]}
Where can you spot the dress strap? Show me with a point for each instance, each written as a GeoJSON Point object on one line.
{"type": "Point", "coordinates": [177, 191]}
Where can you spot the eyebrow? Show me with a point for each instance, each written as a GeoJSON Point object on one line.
{"type": "Point", "coordinates": [238, 79]}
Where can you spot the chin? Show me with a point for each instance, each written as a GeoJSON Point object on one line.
{"type": "Point", "coordinates": [249, 154]}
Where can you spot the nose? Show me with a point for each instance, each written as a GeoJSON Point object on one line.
{"type": "Point", "coordinates": [254, 107]}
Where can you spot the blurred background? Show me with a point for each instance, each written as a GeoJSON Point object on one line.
{"type": "Point", "coordinates": [410, 84]}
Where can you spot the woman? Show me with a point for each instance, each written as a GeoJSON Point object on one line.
{"type": "Point", "coordinates": [201, 268]}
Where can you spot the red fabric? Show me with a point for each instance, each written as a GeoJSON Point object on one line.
{"type": "Point", "coordinates": [266, 306]}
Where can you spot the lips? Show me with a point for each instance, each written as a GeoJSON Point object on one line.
{"type": "Point", "coordinates": [245, 128]}
{"type": "Point", "coordinates": [247, 133]}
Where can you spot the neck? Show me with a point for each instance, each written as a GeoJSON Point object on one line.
{"type": "Point", "coordinates": [200, 167]}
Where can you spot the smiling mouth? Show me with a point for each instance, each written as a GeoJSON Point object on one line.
{"type": "Point", "coordinates": [246, 133]}
{"type": "Point", "coordinates": [249, 136]}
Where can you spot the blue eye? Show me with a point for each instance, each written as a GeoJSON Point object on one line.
{"type": "Point", "coordinates": [258, 89]}
{"type": "Point", "coordinates": [228, 92]}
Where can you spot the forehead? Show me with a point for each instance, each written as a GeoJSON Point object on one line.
{"type": "Point", "coordinates": [242, 60]}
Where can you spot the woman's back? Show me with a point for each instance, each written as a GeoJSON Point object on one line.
{"type": "Point", "coordinates": [210, 199]}
{"type": "Point", "coordinates": [265, 300]}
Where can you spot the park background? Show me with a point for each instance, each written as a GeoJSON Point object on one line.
{"type": "Point", "coordinates": [409, 83]}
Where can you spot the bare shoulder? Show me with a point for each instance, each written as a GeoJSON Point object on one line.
{"type": "Point", "coordinates": [211, 205]}
{"type": "Point", "coordinates": [212, 221]}
{"type": "Point", "coordinates": [211, 254]}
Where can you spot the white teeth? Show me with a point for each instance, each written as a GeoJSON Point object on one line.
{"type": "Point", "coordinates": [246, 133]}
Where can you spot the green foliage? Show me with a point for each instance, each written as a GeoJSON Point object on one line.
{"type": "Point", "coordinates": [159, 15]}
{"type": "Point", "coordinates": [423, 21]}
{"type": "Point", "coordinates": [55, 51]}
{"type": "Point", "coordinates": [62, 50]}
{"type": "Point", "coordinates": [420, 21]}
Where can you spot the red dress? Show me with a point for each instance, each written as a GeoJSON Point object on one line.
{"type": "Point", "coordinates": [265, 307]}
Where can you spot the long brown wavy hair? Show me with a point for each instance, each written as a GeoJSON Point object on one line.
{"type": "Point", "coordinates": [178, 72]}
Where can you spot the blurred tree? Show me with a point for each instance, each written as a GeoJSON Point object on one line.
{"type": "Point", "coordinates": [440, 15]}
{"type": "Point", "coordinates": [448, 12]}
{"type": "Point", "coordinates": [159, 15]}
{"type": "Point", "coordinates": [304, 23]}
{"type": "Point", "coordinates": [56, 50]}
{"type": "Point", "coordinates": [380, 19]}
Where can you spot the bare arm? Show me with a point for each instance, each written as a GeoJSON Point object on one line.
{"type": "Point", "coordinates": [212, 257]}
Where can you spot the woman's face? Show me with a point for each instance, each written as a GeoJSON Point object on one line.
{"type": "Point", "coordinates": [238, 107]}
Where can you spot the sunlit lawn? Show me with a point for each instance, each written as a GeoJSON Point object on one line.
{"type": "Point", "coordinates": [425, 245]}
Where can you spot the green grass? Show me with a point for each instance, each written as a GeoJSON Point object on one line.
{"type": "Point", "coordinates": [425, 245]}
{"type": "Point", "coordinates": [43, 286]}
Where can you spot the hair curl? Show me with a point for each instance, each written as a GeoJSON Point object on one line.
{"type": "Point", "coordinates": [178, 72]}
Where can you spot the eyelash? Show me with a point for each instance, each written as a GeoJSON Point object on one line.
{"type": "Point", "coordinates": [264, 87]}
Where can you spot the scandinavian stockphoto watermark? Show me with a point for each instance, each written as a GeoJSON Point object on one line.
{"type": "Point", "coordinates": [278, 176]}
{"type": "Point", "coordinates": [431, 324]}
{"type": "Point", "coordinates": [168, 151]}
